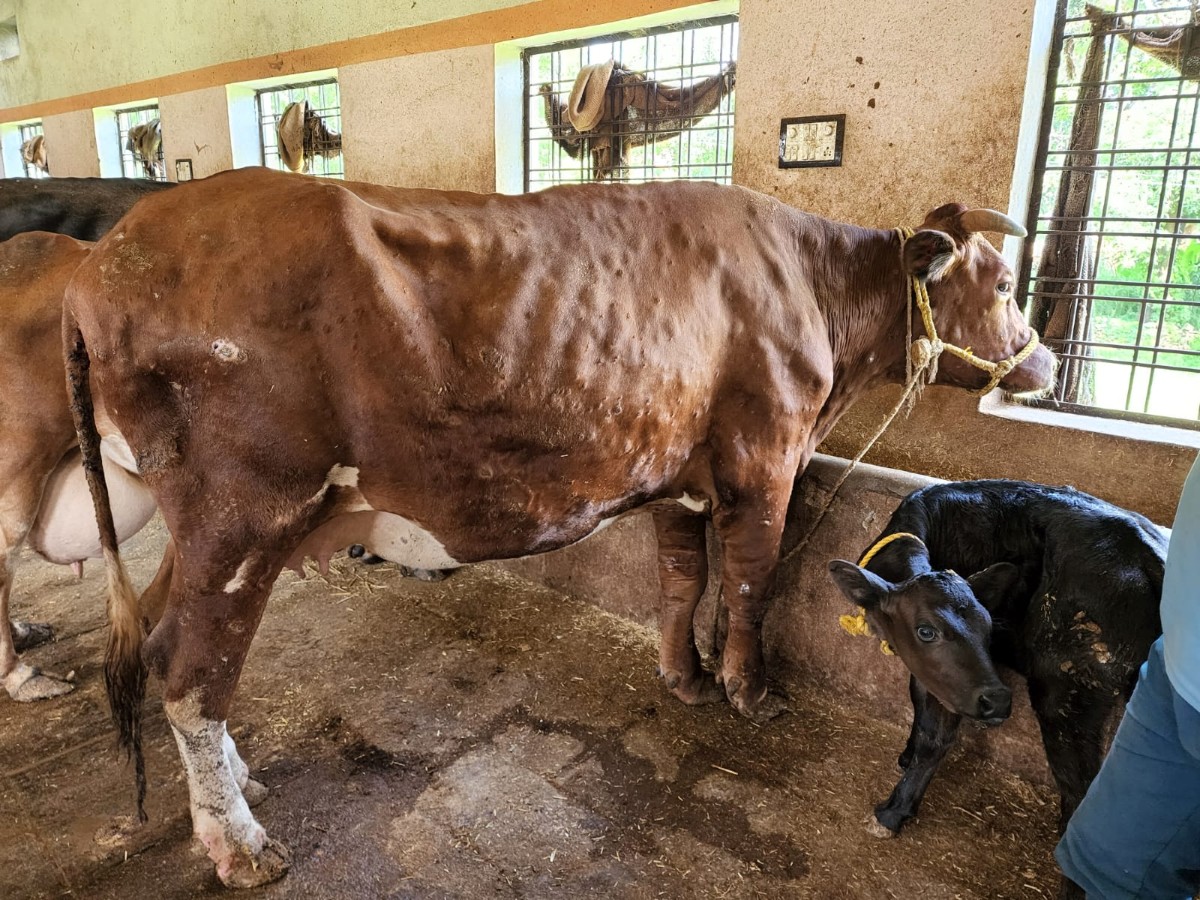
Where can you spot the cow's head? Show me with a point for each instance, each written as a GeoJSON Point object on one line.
{"type": "Point", "coordinates": [938, 623]}
{"type": "Point", "coordinates": [972, 290]}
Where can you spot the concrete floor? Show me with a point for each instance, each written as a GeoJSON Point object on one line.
{"type": "Point", "coordinates": [485, 737]}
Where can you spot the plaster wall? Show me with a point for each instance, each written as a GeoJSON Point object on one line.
{"type": "Point", "coordinates": [424, 121]}
{"type": "Point", "coordinates": [177, 37]}
{"type": "Point", "coordinates": [71, 144]}
{"type": "Point", "coordinates": [196, 127]}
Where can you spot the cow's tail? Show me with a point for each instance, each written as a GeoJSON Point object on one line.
{"type": "Point", "coordinates": [124, 670]}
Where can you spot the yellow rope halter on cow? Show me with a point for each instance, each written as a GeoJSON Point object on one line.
{"type": "Point", "coordinates": [924, 352]}
{"type": "Point", "coordinates": [857, 623]}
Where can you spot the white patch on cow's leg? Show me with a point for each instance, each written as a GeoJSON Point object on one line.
{"type": "Point", "coordinates": [693, 503]}
{"type": "Point", "coordinates": [238, 581]}
{"type": "Point", "coordinates": [342, 476]}
{"type": "Point", "coordinates": [221, 818]}
{"type": "Point", "coordinates": [252, 789]}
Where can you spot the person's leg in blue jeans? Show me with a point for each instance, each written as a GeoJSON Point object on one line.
{"type": "Point", "coordinates": [1137, 832]}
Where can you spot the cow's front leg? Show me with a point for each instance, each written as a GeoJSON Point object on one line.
{"type": "Point", "coordinates": [749, 530]}
{"type": "Point", "coordinates": [198, 648]}
{"type": "Point", "coordinates": [683, 575]}
{"type": "Point", "coordinates": [933, 733]}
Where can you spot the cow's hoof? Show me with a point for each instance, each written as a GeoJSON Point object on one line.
{"type": "Point", "coordinates": [27, 635]}
{"type": "Point", "coordinates": [697, 691]}
{"type": "Point", "coordinates": [759, 708]}
{"type": "Point", "coordinates": [245, 871]}
{"type": "Point", "coordinates": [875, 828]}
{"type": "Point", "coordinates": [255, 792]}
{"type": "Point", "coordinates": [424, 574]}
{"type": "Point", "coordinates": [26, 684]}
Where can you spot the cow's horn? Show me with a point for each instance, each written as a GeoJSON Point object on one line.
{"type": "Point", "coordinates": [990, 220]}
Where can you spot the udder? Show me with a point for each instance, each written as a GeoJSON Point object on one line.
{"type": "Point", "coordinates": [65, 528]}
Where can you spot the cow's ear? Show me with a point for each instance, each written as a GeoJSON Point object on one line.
{"type": "Point", "coordinates": [994, 584]}
{"type": "Point", "coordinates": [862, 588]}
{"type": "Point", "coordinates": [928, 254]}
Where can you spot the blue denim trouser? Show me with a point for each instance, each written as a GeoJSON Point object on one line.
{"type": "Point", "coordinates": [1137, 832]}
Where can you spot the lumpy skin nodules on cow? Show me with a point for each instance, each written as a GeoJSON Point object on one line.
{"type": "Point", "coordinates": [481, 377]}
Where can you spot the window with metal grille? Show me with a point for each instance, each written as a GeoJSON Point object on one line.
{"type": "Point", "coordinates": [132, 166]}
{"type": "Point", "coordinates": [667, 113]}
{"type": "Point", "coordinates": [29, 131]}
{"type": "Point", "coordinates": [1112, 272]}
{"type": "Point", "coordinates": [324, 101]}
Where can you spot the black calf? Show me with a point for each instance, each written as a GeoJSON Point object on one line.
{"type": "Point", "coordinates": [1065, 591]}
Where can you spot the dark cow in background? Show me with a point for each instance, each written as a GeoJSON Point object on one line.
{"type": "Point", "coordinates": [1061, 587]}
{"type": "Point", "coordinates": [452, 377]}
{"type": "Point", "coordinates": [35, 273]}
{"type": "Point", "coordinates": [44, 498]}
{"type": "Point", "coordinates": [84, 208]}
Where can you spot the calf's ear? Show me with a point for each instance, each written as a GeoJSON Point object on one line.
{"type": "Point", "coordinates": [928, 254]}
{"type": "Point", "coordinates": [862, 588]}
{"type": "Point", "coordinates": [993, 584]}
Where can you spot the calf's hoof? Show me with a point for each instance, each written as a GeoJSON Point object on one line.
{"type": "Point", "coordinates": [26, 684]}
{"type": "Point", "coordinates": [698, 691]}
{"type": "Point", "coordinates": [244, 870]}
{"type": "Point", "coordinates": [759, 706]}
{"type": "Point", "coordinates": [27, 635]}
{"type": "Point", "coordinates": [875, 828]}
{"type": "Point", "coordinates": [255, 792]}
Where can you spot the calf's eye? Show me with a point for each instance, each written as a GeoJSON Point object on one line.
{"type": "Point", "coordinates": [1004, 287]}
{"type": "Point", "coordinates": [927, 633]}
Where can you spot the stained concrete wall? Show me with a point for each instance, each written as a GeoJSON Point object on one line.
{"type": "Point", "coordinates": [196, 127]}
{"type": "Point", "coordinates": [71, 144]}
{"type": "Point", "coordinates": [426, 120]}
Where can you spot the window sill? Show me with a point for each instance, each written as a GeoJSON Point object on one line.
{"type": "Point", "coordinates": [995, 405]}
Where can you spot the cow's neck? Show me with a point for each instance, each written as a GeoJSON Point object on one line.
{"type": "Point", "coordinates": [865, 302]}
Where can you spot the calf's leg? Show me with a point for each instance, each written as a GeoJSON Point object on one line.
{"type": "Point", "coordinates": [198, 649]}
{"type": "Point", "coordinates": [683, 575]}
{"type": "Point", "coordinates": [933, 733]}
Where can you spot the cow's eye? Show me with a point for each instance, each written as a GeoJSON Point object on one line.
{"type": "Point", "coordinates": [1004, 287]}
{"type": "Point", "coordinates": [927, 633]}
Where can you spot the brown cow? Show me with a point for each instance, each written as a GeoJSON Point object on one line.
{"type": "Point", "coordinates": [451, 377]}
{"type": "Point", "coordinates": [43, 496]}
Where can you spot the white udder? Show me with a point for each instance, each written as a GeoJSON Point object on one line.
{"type": "Point", "coordinates": [65, 528]}
{"type": "Point", "coordinates": [393, 537]}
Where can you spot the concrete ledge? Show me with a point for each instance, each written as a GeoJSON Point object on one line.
{"type": "Point", "coordinates": [804, 644]}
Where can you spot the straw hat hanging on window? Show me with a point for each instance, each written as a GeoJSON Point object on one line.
{"type": "Point", "coordinates": [302, 134]}
{"type": "Point", "coordinates": [33, 151]}
{"type": "Point", "coordinates": [145, 142]}
{"type": "Point", "coordinates": [612, 108]}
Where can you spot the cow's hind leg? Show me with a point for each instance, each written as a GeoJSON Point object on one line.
{"type": "Point", "coordinates": [198, 648]}
{"type": "Point", "coordinates": [683, 575]}
{"type": "Point", "coordinates": [23, 682]}
{"type": "Point", "coordinates": [933, 733]}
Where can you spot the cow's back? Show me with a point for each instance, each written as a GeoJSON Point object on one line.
{"type": "Point", "coordinates": [550, 358]}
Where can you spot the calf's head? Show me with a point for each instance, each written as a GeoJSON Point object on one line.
{"type": "Point", "coordinates": [938, 623]}
{"type": "Point", "coordinates": [972, 291]}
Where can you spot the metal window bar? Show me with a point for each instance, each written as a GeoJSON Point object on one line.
{"type": "Point", "coordinates": [678, 54]}
{"type": "Point", "coordinates": [28, 132]}
{"type": "Point", "coordinates": [131, 167]}
{"type": "Point", "coordinates": [1141, 295]}
{"type": "Point", "coordinates": [323, 98]}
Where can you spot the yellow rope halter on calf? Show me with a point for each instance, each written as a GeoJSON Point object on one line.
{"type": "Point", "coordinates": [857, 624]}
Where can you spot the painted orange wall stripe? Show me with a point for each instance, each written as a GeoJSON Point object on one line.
{"type": "Point", "coordinates": [538, 17]}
